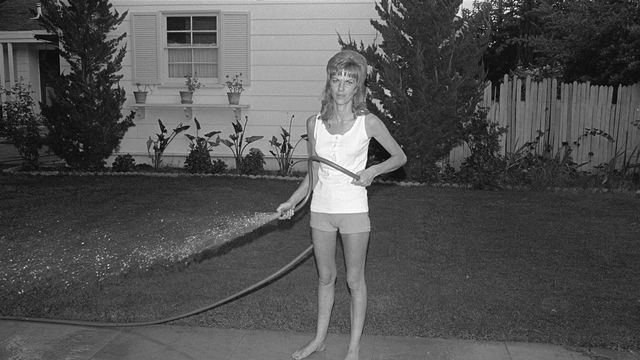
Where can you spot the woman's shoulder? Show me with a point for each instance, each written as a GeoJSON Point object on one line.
{"type": "Point", "coordinates": [372, 119]}
{"type": "Point", "coordinates": [373, 124]}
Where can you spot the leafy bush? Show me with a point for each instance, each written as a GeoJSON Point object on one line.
{"type": "Point", "coordinates": [236, 139]}
{"type": "Point", "coordinates": [123, 163]}
{"type": "Point", "coordinates": [283, 151]}
{"type": "Point", "coordinates": [144, 167]}
{"type": "Point", "coordinates": [20, 123]}
{"type": "Point", "coordinates": [218, 166]}
{"type": "Point", "coordinates": [253, 163]}
{"type": "Point", "coordinates": [199, 158]}
{"type": "Point", "coordinates": [485, 164]}
{"type": "Point", "coordinates": [159, 145]}
{"type": "Point", "coordinates": [545, 170]}
{"type": "Point", "coordinates": [530, 165]}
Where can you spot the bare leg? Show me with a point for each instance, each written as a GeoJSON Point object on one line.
{"type": "Point", "coordinates": [355, 253]}
{"type": "Point", "coordinates": [324, 248]}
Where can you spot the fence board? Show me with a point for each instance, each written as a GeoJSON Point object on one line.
{"type": "Point", "coordinates": [563, 111]}
{"type": "Point", "coordinates": [634, 144]}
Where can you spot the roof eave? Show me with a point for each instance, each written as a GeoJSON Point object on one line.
{"type": "Point", "coordinates": [21, 36]}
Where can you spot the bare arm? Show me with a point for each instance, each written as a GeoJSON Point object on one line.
{"type": "Point", "coordinates": [376, 129]}
{"type": "Point", "coordinates": [286, 208]}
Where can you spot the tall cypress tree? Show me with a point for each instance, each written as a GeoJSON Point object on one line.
{"type": "Point", "coordinates": [85, 121]}
{"type": "Point", "coordinates": [427, 75]}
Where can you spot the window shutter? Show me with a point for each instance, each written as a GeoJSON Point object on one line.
{"type": "Point", "coordinates": [146, 61]}
{"type": "Point", "coordinates": [235, 46]}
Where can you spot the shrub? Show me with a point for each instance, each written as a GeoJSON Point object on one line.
{"type": "Point", "coordinates": [253, 163]}
{"type": "Point", "coordinates": [199, 158]}
{"type": "Point", "coordinates": [144, 167]}
{"type": "Point", "coordinates": [218, 166]}
{"type": "Point", "coordinates": [123, 163]}
{"type": "Point", "coordinates": [547, 169]}
{"type": "Point", "coordinates": [20, 123]}
{"type": "Point", "coordinates": [484, 167]}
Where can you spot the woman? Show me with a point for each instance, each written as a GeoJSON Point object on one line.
{"type": "Point", "coordinates": [341, 134]}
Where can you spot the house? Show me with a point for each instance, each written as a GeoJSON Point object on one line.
{"type": "Point", "coordinates": [280, 47]}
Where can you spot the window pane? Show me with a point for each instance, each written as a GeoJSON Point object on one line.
{"type": "Point", "coordinates": [178, 23]}
{"type": "Point", "coordinates": [205, 55]}
{"type": "Point", "coordinates": [179, 56]}
{"type": "Point", "coordinates": [178, 39]}
{"type": "Point", "coordinates": [204, 23]}
{"type": "Point", "coordinates": [204, 38]}
{"type": "Point", "coordinates": [206, 70]}
{"type": "Point", "coordinates": [179, 70]}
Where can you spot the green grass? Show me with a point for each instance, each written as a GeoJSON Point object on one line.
{"type": "Point", "coordinates": [559, 268]}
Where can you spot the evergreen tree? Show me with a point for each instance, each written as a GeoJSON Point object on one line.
{"type": "Point", "coordinates": [427, 77]}
{"type": "Point", "coordinates": [85, 122]}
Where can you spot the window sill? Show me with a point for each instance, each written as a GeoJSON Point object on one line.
{"type": "Point", "coordinates": [182, 86]}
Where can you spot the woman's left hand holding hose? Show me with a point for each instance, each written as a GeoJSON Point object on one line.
{"type": "Point", "coordinates": [366, 177]}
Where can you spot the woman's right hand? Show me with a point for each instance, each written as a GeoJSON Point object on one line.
{"type": "Point", "coordinates": [285, 210]}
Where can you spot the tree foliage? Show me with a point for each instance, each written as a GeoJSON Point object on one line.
{"type": "Point", "coordinates": [575, 40]}
{"type": "Point", "coordinates": [426, 75]}
{"type": "Point", "coordinates": [84, 121]}
{"type": "Point", "coordinates": [592, 40]}
{"type": "Point", "coordinates": [514, 23]}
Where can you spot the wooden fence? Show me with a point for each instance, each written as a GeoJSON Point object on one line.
{"type": "Point", "coordinates": [564, 113]}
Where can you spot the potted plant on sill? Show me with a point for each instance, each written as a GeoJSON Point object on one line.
{"type": "Point", "coordinates": [234, 84]}
{"type": "Point", "coordinates": [192, 82]}
{"type": "Point", "coordinates": [141, 93]}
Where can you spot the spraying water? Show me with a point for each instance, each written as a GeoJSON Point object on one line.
{"type": "Point", "coordinates": [205, 240]}
{"type": "Point", "coordinates": [99, 257]}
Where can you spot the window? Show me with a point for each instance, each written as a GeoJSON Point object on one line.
{"type": "Point", "coordinates": [192, 46]}
{"type": "Point", "coordinates": [168, 46]}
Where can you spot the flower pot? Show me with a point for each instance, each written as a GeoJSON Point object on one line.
{"type": "Point", "coordinates": [186, 97]}
{"type": "Point", "coordinates": [140, 96]}
{"type": "Point", "coordinates": [234, 98]}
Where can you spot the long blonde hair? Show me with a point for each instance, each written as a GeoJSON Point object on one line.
{"type": "Point", "coordinates": [355, 66]}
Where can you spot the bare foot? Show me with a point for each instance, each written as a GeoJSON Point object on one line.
{"type": "Point", "coordinates": [310, 348]}
{"type": "Point", "coordinates": [352, 355]}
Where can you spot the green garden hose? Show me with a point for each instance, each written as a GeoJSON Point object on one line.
{"type": "Point", "coordinates": [230, 298]}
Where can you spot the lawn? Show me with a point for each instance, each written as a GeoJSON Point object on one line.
{"type": "Point", "coordinates": [548, 267]}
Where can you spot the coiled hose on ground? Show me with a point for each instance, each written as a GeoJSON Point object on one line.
{"type": "Point", "coordinates": [229, 298]}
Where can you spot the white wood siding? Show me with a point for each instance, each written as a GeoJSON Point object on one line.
{"type": "Point", "coordinates": [290, 44]}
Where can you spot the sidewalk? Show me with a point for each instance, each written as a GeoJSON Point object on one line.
{"type": "Point", "coordinates": [33, 341]}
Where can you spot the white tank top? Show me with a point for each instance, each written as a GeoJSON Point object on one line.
{"type": "Point", "coordinates": [334, 193]}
